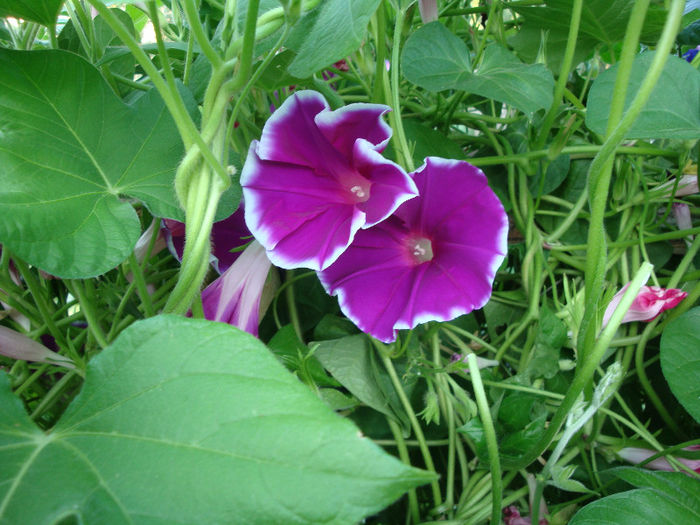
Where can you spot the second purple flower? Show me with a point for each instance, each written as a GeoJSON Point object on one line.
{"type": "Point", "coordinates": [316, 177]}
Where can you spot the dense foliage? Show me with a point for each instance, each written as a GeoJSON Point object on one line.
{"type": "Point", "coordinates": [466, 256]}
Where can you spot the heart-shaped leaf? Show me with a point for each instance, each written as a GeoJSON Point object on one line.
{"type": "Point", "coordinates": [672, 111]}
{"type": "Point", "coordinates": [435, 59]}
{"type": "Point", "coordinates": [70, 152]}
{"type": "Point", "coordinates": [336, 26]}
{"type": "Point", "coordinates": [680, 359]}
{"type": "Point", "coordinates": [189, 421]}
{"type": "Point", "coordinates": [663, 498]}
{"type": "Point", "coordinates": [43, 11]}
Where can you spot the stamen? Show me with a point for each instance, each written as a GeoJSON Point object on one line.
{"type": "Point", "coordinates": [421, 249]}
{"type": "Point", "coordinates": [358, 191]}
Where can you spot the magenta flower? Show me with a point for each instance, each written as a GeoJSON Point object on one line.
{"type": "Point", "coordinates": [316, 177]}
{"type": "Point", "coordinates": [648, 305]}
{"type": "Point", "coordinates": [234, 298]}
{"type": "Point", "coordinates": [433, 260]}
{"type": "Point", "coordinates": [637, 455]}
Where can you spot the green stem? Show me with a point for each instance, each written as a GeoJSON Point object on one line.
{"type": "Point", "coordinates": [400, 143]}
{"type": "Point", "coordinates": [137, 274]}
{"type": "Point", "coordinates": [566, 64]}
{"type": "Point", "coordinates": [292, 305]}
{"type": "Point", "coordinates": [44, 306]}
{"type": "Point", "coordinates": [415, 425]}
{"type": "Point", "coordinates": [54, 395]}
{"type": "Point", "coordinates": [584, 151]}
{"type": "Point", "coordinates": [491, 441]}
{"type": "Point", "coordinates": [448, 413]}
{"type": "Point", "coordinates": [86, 307]}
{"type": "Point", "coordinates": [586, 368]}
{"type": "Point", "coordinates": [400, 444]}
{"type": "Point", "coordinates": [380, 52]}
{"type": "Point", "coordinates": [192, 15]}
{"type": "Point", "coordinates": [600, 171]}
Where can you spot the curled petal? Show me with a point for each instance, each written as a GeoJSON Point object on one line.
{"type": "Point", "coordinates": [144, 242]}
{"type": "Point", "coordinates": [291, 134]}
{"type": "Point", "coordinates": [428, 10]}
{"type": "Point", "coordinates": [346, 125]}
{"type": "Point", "coordinates": [687, 185]}
{"type": "Point", "coordinates": [390, 187]}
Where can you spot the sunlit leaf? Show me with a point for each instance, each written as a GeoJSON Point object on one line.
{"type": "Point", "coordinates": [188, 421]}
{"type": "Point", "coordinates": [672, 111]}
{"type": "Point", "coordinates": [435, 59]}
{"type": "Point", "coordinates": [71, 154]}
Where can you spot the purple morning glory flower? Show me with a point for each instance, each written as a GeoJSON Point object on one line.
{"type": "Point", "coordinates": [433, 260]}
{"type": "Point", "coordinates": [234, 297]}
{"type": "Point", "coordinates": [316, 177]}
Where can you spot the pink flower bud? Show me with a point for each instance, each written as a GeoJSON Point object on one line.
{"type": "Point", "coordinates": [428, 10]}
{"type": "Point", "coordinates": [637, 455]}
{"type": "Point", "coordinates": [687, 185]}
{"type": "Point", "coordinates": [18, 346]}
{"type": "Point", "coordinates": [648, 305]}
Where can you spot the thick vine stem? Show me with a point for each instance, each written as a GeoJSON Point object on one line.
{"type": "Point", "coordinates": [600, 171]}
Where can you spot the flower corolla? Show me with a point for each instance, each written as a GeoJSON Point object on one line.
{"type": "Point", "coordinates": [316, 177]}
{"type": "Point", "coordinates": [434, 259]}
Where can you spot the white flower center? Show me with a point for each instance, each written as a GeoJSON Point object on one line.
{"type": "Point", "coordinates": [359, 192]}
{"type": "Point", "coordinates": [421, 249]}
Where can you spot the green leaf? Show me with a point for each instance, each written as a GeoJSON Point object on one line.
{"type": "Point", "coordinates": [551, 336]}
{"type": "Point", "coordinates": [672, 111]}
{"type": "Point", "coordinates": [546, 28]}
{"type": "Point", "coordinates": [187, 421]}
{"type": "Point", "coordinates": [435, 59]}
{"type": "Point", "coordinates": [690, 36]}
{"type": "Point", "coordinates": [295, 355]}
{"type": "Point", "coordinates": [532, 40]}
{"type": "Point", "coordinates": [601, 20]}
{"type": "Point", "coordinates": [70, 152]}
{"type": "Point", "coordinates": [42, 11]}
{"type": "Point", "coordinates": [561, 478]}
{"type": "Point", "coordinates": [337, 27]}
{"type": "Point", "coordinates": [664, 498]}
{"type": "Point", "coordinates": [105, 37]}
{"type": "Point", "coordinates": [549, 179]}
{"type": "Point", "coordinates": [350, 361]}
{"type": "Point", "coordinates": [276, 75]}
{"type": "Point", "coordinates": [680, 359]}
